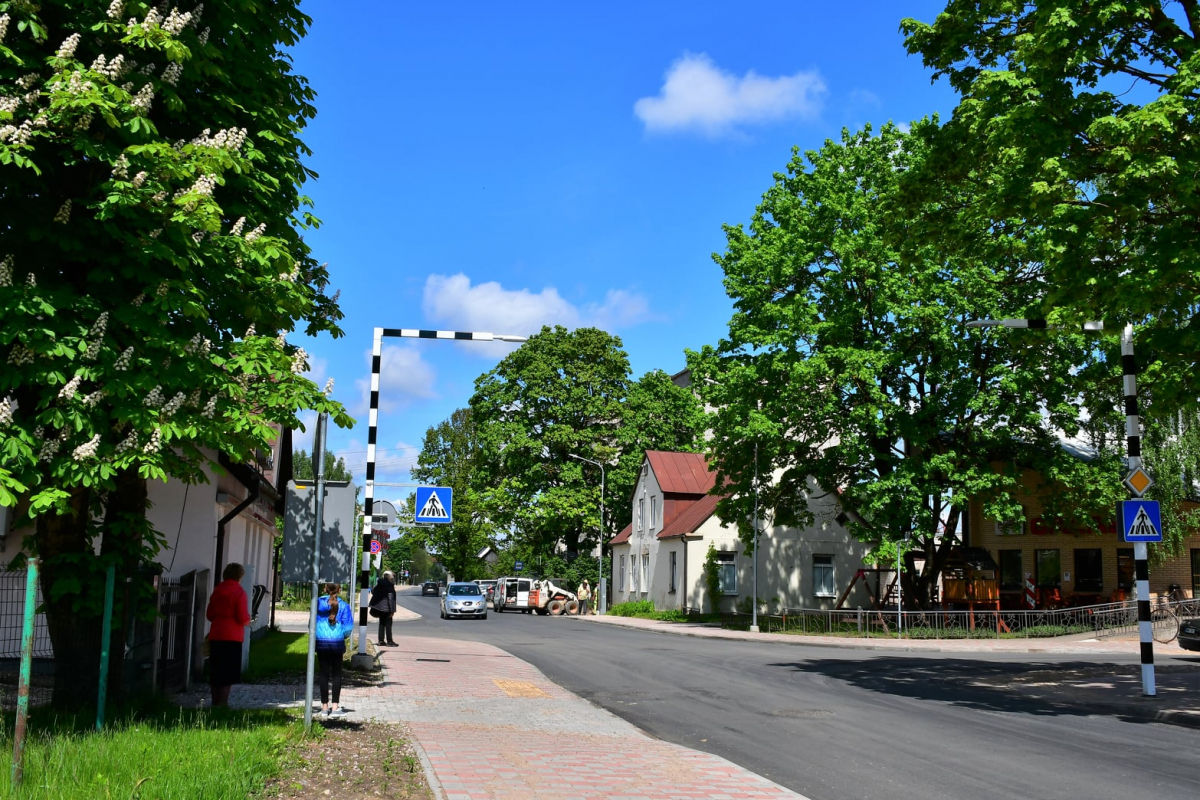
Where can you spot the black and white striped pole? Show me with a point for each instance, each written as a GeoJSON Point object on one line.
{"type": "Point", "coordinates": [1133, 439]}
{"type": "Point", "coordinates": [373, 426]}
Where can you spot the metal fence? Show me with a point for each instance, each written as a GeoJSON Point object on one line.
{"type": "Point", "coordinates": [12, 615]}
{"type": "Point", "coordinates": [1100, 620]}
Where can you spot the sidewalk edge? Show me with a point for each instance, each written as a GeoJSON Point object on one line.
{"type": "Point", "coordinates": [431, 778]}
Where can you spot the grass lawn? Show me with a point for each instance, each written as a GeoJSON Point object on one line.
{"type": "Point", "coordinates": [279, 655]}
{"type": "Point", "coordinates": [164, 752]}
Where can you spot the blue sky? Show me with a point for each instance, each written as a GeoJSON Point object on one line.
{"type": "Point", "coordinates": [500, 166]}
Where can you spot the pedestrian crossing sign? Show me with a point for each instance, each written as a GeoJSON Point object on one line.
{"type": "Point", "coordinates": [434, 504]}
{"type": "Point", "coordinates": [1141, 521]}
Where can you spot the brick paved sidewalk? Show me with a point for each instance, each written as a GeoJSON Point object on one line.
{"type": "Point", "coordinates": [489, 725]}
{"type": "Point", "coordinates": [1078, 644]}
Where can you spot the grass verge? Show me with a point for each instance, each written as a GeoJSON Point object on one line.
{"type": "Point", "coordinates": [164, 752]}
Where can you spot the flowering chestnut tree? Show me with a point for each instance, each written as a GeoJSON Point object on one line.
{"type": "Point", "coordinates": [151, 267]}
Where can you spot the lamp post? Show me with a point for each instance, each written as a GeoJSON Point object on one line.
{"type": "Point", "coordinates": [602, 600]}
{"type": "Point", "coordinates": [754, 605]}
{"type": "Point", "coordinates": [1134, 457]}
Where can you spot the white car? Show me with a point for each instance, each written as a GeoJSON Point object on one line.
{"type": "Point", "coordinates": [464, 600]}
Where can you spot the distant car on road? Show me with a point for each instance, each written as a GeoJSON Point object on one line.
{"type": "Point", "coordinates": [1189, 634]}
{"type": "Point", "coordinates": [488, 587]}
{"type": "Point", "coordinates": [429, 587]}
{"type": "Point", "coordinates": [464, 600]}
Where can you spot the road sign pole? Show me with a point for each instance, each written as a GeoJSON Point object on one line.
{"type": "Point", "coordinates": [310, 670]}
{"type": "Point", "coordinates": [1141, 566]}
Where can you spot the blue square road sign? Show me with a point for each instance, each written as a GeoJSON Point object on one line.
{"type": "Point", "coordinates": [1141, 521]}
{"type": "Point", "coordinates": [435, 504]}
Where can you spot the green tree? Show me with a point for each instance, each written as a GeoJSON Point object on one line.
{"type": "Point", "coordinates": [567, 393]}
{"type": "Point", "coordinates": [847, 371]}
{"type": "Point", "coordinates": [335, 467]}
{"type": "Point", "coordinates": [450, 456]}
{"type": "Point", "coordinates": [1079, 118]}
{"type": "Point", "coordinates": [152, 266]}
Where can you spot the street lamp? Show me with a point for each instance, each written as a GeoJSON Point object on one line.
{"type": "Point", "coordinates": [602, 601]}
{"type": "Point", "coordinates": [1134, 457]}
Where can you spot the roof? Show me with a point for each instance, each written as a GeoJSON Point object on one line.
{"type": "Point", "coordinates": [681, 473]}
{"type": "Point", "coordinates": [692, 518]}
{"type": "Point", "coordinates": [623, 536]}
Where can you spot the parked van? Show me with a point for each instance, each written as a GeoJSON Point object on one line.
{"type": "Point", "coordinates": [515, 594]}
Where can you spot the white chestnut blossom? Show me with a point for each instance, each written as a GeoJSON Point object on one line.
{"type": "Point", "coordinates": [100, 325]}
{"type": "Point", "coordinates": [198, 237]}
{"type": "Point", "coordinates": [64, 213]}
{"type": "Point", "coordinates": [17, 135]}
{"type": "Point", "coordinates": [67, 48]}
{"type": "Point", "coordinates": [27, 82]}
{"type": "Point", "coordinates": [93, 399]}
{"type": "Point", "coordinates": [194, 398]}
{"type": "Point", "coordinates": [6, 411]}
{"type": "Point", "coordinates": [121, 168]}
{"type": "Point", "coordinates": [83, 123]}
{"type": "Point", "coordinates": [4, 26]}
{"type": "Point", "coordinates": [139, 179]}
{"type": "Point", "coordinates": [328, 387]}
{"type": "Point", "coordinates": [77, 85]}
{"type": "Point", "coordinates": [299, 361]}
{"type": "Point", "coordinates": [249, 331]}
{"type": "Point", "coordinates": [129, 443]}
{"type": "Point", "coordinates": [137, 301]}
{"type": "Point", "coordinates": [172, 72]}
{"type": "Point", "coordinates": [173, 405]}
{"type": "Point", "coordinates": [31, 281]}
{"type": "Point", "coordinates": [162, 289]}
{"type": "Point", "coordinates": [70, 388]}
{"type": "Point", "coordinates": [9, 104]}
{"type": "Point", "coordinates": [115, 8]}
{"type": "Point", "coordinates": [204, 36]}
{"type": "Point", "coordinates": [204, 185]}
{"type": "Point", "coordinates": [122, 363]}
{"type": "Point", "coordinates": [155, 399]}
{"type": "Point", "coordinates": [87, 449]}
{"type": "Point", "coordinates": [176, 22]}
{"type": "Point", "coordinates": [155, 442]}
{"type": "Point", "coordinates": [144, 98]}
{"type": "Point", "coordinates": [210, 408]}
{"type": "Point", "coordinates": [20, 355]}
{"type": "Point", "coordinates": [154, 234]}
{"type": "Point", "coordinates": [236, 230]}
{"type": "Point", "coordinates": [6, 271]}
{"type": "Point", "coordinates": [49, 448]}
{"type": "Point", "coordinates": [253, 235]}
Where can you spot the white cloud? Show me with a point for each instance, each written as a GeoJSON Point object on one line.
{"type": "Point", "coordinates": [451, 301]}
{"type": "Point", "coordinates": [403, 377]}
{"type": "Point", "coordinates": [698, 95]}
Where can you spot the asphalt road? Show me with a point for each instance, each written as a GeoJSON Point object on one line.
{"type": "Point", "coordinates": [833, 723]}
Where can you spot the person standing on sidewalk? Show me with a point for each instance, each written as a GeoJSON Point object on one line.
{"type": "Point", "coordinates": [383, 606]}
{"type": "Point", "coordinates": [229, 613]}
{"type": "Point", "coordinates": [334, 625]}
{"type": "Point", "coordinates": [585, 595]}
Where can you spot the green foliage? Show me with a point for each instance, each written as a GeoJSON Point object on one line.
{"type": "Point", "coordinates": [633, 608]}
{"type": "Point", "coordinates": [335, 467]}
{"type": "Point", "coordinates": [450, 456]}
{"type": "Point", "coordinates": [712, 578]}
{"type": "Point", "coordinates": [1079, 120]}
{"type": "Point", "coordinates": [849, 375]}
{"type": "Point", "coordinates": [566, 393]}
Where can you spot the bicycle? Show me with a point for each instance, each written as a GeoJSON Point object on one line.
{"type": "Point", "coordinates": [1164, 622]}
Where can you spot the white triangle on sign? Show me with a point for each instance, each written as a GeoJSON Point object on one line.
{"type": "Point", "coordinates": [1143, 526]}
{"type": "Point", "coordinates": [433, 508]}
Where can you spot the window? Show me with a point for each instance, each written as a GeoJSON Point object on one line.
{"type": "Point", "coordinates": [727, 572]}
{"type": "Point", "coordinates": [1014, 528]}
{"type": "Point", "coordinates": [645, 572]}
{"type": "Point", "coordinates": [1195, 572]}
{"type": "Point", "coordinates": [622, 582]}
{"type": "Point", "coordinates": [1125, 568]}
{"type": "Point", "coordinates": [674, 567]}
{"type": "Point", "coordinates": [653, 511]}
{"type": "Point", "coordinates": [641, 511]}
{"type": "Point", "coordinates": [1089, 574]}
{"type": "Point", "coordinates": [1012, 570]}
{"type": "Point", "coordinates": [1049, 569]}
{"type": "Point", "coordinates": [823, 585]}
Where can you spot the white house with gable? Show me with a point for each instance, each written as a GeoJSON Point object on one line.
{"type": "Point", "coordinates": [660, 555]}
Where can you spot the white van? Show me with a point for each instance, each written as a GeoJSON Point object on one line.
{"type": "Point", "coordinates": [515, 594]}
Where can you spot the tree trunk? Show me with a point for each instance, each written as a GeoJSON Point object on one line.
{"type": "Point", "coordinates": [124, 526]}
{"type": "Point", "coordinates": [70, 593]}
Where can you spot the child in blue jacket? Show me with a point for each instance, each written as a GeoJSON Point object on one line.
{"type": "Point", "coordinates": [335, 622]}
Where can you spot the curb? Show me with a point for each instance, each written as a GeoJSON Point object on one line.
{"type": "Point", "coordinates": [667, 629]}
{"type": "Point", "coordinates": [431, 778]}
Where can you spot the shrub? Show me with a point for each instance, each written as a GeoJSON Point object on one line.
{"type": "Point", "coordinates": [633, 608]}
{"type": "Point", "coordinates": [712, 578]}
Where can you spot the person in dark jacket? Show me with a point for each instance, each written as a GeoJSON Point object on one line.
{"type": "Point", "coordinates": [383, 605]}
{"type": "Point", "coordinates": [229, 613]}
{"type": "Point", "coordinates": [334, 625]}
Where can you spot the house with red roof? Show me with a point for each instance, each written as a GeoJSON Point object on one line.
{"type": "Point", "coordinates": [660, 555]}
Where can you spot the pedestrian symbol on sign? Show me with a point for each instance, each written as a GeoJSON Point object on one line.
{"type": "Point", "coordinates": [434, 504]}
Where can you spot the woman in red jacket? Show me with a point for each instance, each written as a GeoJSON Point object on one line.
{"type": "Point", "coordinates": [229, 613]}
